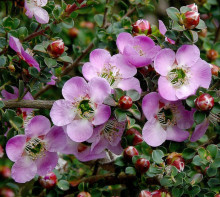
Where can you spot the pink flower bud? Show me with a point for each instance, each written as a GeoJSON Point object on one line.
{"type": "Point", "coordinates": [204, 102]}
{"type": "Point", "coordinates": [141, 27]}
{"type": "Point", "coordinates": [56, 48]}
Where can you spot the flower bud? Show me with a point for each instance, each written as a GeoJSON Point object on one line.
{"type": "Point", "coordinates": [212, 55]}
{"type": "Point", "coordinates": [142, 165]}
{"type": "Point", "coordinates": [6, 192]}
{"type": "Point", "coordinates": [84, 194]}
{"type": "Point", "coordinates": [125, 102]}
{"type": "Point", "coordinates": [193, 7]}
{"type": "Point", "coordinates": [204, 102]}
{"type": "Point", "coordinates": [137, 136]}
{"type": "Point", "coordinates": [11, 68]}
{"type": "Point", "coordinates": [1, 152]}
{"type": "Point", "coordinates": [141, 27]}
{"type": "Point", "coordinates": [48, 181]}
{"type": "Point", "coordinates": [160, 193]}
{"type": "Point", "coordinates": [5, 172]}
{"type": "Point", "coordinates": [73, 32]}
{"type": "Point", "coordinates": [145, 193]}
{"type": "Point", "coordinates": [175, 159]}
{"type": "Point", "coordinates": [214, 69]}
{"type": "Point", "coordinates": [217, 195]}
{"type": "Point", "coordinates": [56, 48]}
{"type": "Point", "coordinates": [190, 19]}
{"type": "Point", "coordinates": [129, 152]}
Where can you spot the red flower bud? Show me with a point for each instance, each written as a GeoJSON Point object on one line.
{"type": "Point", "coordinates": [5, 172]}
{"type": "Point", "coordinates": [175, 159]}
{"type": "Point", "coordinates": [125, 102]}
{"type": "Point", "coordinates": [193, 7]}
{"type": "Point", "coordinates": [48, 181]}
{"type": "Point", "coordinates": [204, 102]}
{"type": "Point", "coordinates": [73, 32]}
{"type": "Point", "coordinates": [84, 194]}
{"type": "Point", "coordinates": [191, 19]}
{"type": "Point", "coordinates": [6, 192]}
{"type": "Point", "coordinates": [129, 152]}
{"type": "Point", "coordinates": [141, 27]}
{"type": "Point", "coordinates": [215, 69]}
{"type": "Point", "coordinates": [142, 165]}
{"type": "Point", "coordinates": [56, 48]}
{"type": "Point", "coordinates": [145, 193]}
{"type": "Point", "coordinates": [137, 136]}
{"type": "Point", "coordinates": [217, 195]}
{"type": "Point", "coordinates": [212, 55]}
{"type": "Point", "coordinates": [160, 193]}
{"type": "Point", "coordinates": [1, 152]}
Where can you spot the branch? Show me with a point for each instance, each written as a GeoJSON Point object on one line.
{"type": "Point", "coordinates": [37, 104]}
{"type": "Point", "coordinates": [35, 34]}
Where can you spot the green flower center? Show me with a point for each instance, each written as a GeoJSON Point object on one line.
{"type": "Point", "coordinates": [86, 109]}
{"type": "Point", "coordinates": [177, 77]}
{"type": "Point", "coordinates": [35, 148]}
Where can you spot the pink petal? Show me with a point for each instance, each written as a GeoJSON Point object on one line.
{"type": "Point", "coordinates": [187, 55]}
{"type": "Point", "coordinates": [37, 126]}
{"type": "Point", "coordinates": [176, 134]}
{"type": "Point", "coordinates": [30, 60]}
{"type": "Point", "coordinates": [99, 89]}
{"type": "Point", "coordinates": [200, 130]}
{"type": "Point", "coordinates": [46, 163]}
{"type": "Point", "coordinates": [123, 39]}
{"type": "Point", "coordinates": [162, 27]}
{"type": "Point", "coordinates": [150, 105]}
{"type": "Point", "coordinates": [62, 112]}
{"type": "Point", "coordinates": [153, 133]}
{"type": "Point", "coordinates": [130, 83]}
{"type": "Point", "coordinates": [15, 147]}
{"type": "Point", "coordinates": [89, 71]}
{"type": "Point", "coordinates": [55, 139]}
{"type": "Point", "coordinates": [75, 88]}
{"type": "Point", "coordinates": [99, 57]}
{"type": "Point", "coordinates": [23, 170]}
{"type": "Point", "coordinates": [166, 89]}
{"type": "Point", "coordinates": [146, 43]}
{"type": "Point", "coordinates": [163, 61]}
{"type": "Point", "coordinates": [8, 95]}
{"type": "Point", "coordinates": [41, 15]}
{"type": "Point", "coordinates": [15, 44]}
{"type": "Point", "coordinates": [102, 114]}
{"type": "Point", "coordinates": [80, 130]}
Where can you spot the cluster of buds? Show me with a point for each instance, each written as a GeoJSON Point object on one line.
{"type": "Point", "coordinates": [56, 48]}
{"type": "Point", "coordinates": [176, 159]}
{"type": "Point", "coordinates": [204, 102]}
{"type": "Point", "coordinates": [141, 27]}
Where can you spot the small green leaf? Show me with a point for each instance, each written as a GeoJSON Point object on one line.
{"type": "Point", "coordinates": [199, 117]}
{"type": "Point", "coordinates": [201, 24]}
{"type": "Point", "coordinates": [50, 62]}
{"type": "Point", "coordinates": [39, 48]}
{"type": "Point", "coordinates": [177, 27]}
{"type": "Point", "coordinates": [118, 93]}
{"type": "Point", "coordinates": [211, 171]}
{"type": "Point", "coordinates": [157, 156]}
{"type": "Point", "coordinates": [216, 108]}
{"type": "Point", "coordinates": [120, 115]}
{"type": "Point", "coordinates": [3, 42]}
{"type": "Point", "coordinates": [184, 9]}
{"type": "Point", "coordinates": [68, 23]}
{"type": "Point", "coordinates": [9, 89]}
{"type": "Point", "coordinates": [177, 192]}
{"type": "Point", "coordinates": [170, 34]}
{"type": "Point", "coordinates": [216, 163]}
{"type": "Point", "coordinates": [33, 71]}
{"type": "Point", "coordinates": [130, 170]}
{"type": "Point", "coordinates": [188, 153]}
{"type": "Point", "coordinates": [66, 59]}
{"type": "Point", "coordinates": [212, 149]}
{"type": "Point", "coordinates": [202, 153]}
{"type": "Point", "coordinates": [109, 100]}
{"type": "Point", "coordinates": [191, 101]}
{"type": "Point", "coordinates": [119, 162]}
{"type": "Point", "coordinates": [133, 94]}
{"type": "Point", "coordinates": [173, 13]}
{"type": "Point", "coordinates": [135, 111]}
{"type": "Point", "coordinates": [1, 104]}
{"type": "Point", "coordinates": [22, 32]}
{"type": "Point", "coordinates": [99, 19]}
{"type": "Point", "coordinates": [63, 185]}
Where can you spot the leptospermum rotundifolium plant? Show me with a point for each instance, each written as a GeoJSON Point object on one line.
{"type": "Point", "coordinates": [94, 94]}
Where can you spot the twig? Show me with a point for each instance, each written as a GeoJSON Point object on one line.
{"type": "Point", "coordinates": [105, 14]}
{"type": "Point", "coordinates": [35, 34]}
{"type": "Point", "coordinates": [37, 104]}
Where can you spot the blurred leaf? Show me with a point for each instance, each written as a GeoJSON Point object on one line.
{"type": "Point", "coordinates": [1, 104]}
{"type": "Point", "coordinates": [119, 161]}
{"type": "Point", "coordinates": [50, 62]}
{"type": "Point", "coordinates": [118, 93]}
{"type": "Point", "coordinates": [201, 24]}
{"type": "Point", "coordinates": [130, 170]}
{"type": "Point", "coordinates": [3, 60]}
{"type": "Point", "coordinates": [188, 153]}
{"type": "Point", "coordinates": [173, 13]}
{"type": "Point", "coordinates": [66, 59]}
{"type": "Point", "coordinates": [199, 117]}
{"type": "Point", "coordinates": [99, 19]}
{"type": "Point", "coordinates": [63, 185]}
{"type": "Point", "coordinates": [191, 101]}
{"type": "Point", "coordinates": [157, 156]}
{"type": "Point", "coordinates": [120, 115]}
{"type": "Point", "coordinates": [133, 94]}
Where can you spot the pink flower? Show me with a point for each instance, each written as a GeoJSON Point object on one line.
{"type": "Point", "coordinates": [33, 8]}
{"type": "Point", "coordinates": [35, 151]}
{"type": "Point", "coordinates": [193, 7]}
{"type": "Point", "coordinates": [138, 50]}
{"type": "Point", "coordinates": [9, 96]}
{"type": "Point", "coordinates": [116, 70]}
{"type": "Point", "coordinates": [24, 55]}
{"type": "Point", "coordinates": [166, 120]}
{"type": "Point", "coordinates": [81, 107]}
{"type": "Point", "coordinates": [181, 73]}
{"type": "Point", "coordinates": [163, 30]}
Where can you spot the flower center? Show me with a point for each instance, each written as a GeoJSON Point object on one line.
{"type": "Point", "coordinates": [111, 74]}
{"type": "Point", "coordinates": [177, 77]}
{"type": "Point", "coordinates": [166, 116]}
{"type": "Point", "coordinates": [35, 148]}
{"type": "Point", "coordinates": [86, 109]}
{"type": "Point", "coordinates": [139, 50]}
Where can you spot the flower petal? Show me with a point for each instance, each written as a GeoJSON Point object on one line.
{"type": "Point", "coordinates": [8, 96]}
{"type": "Point", "coordinates": [102, 114]}
{"type": "Point", "coordinates": [201, 73]}
{"type": "Point", "coordinates": [163, 61]}
{"type": "Point", "coordinates": [37, 126]}
{"type": "Point", "coordinates": [200, 130]}
{"type": "Point", "coordinates": [130, 83]}
{"type": "Point", "coordinates": [123, 39]}
{"type": "Point", "coordinates": [89, 71]}
{"type": "Point", "coordinates": [41, 15]}
{"type": "Point", "coordinates": [153, 134]}
{"type": "Point", "coordinates": [30, 60]}
{"type": "Point", "coordinates": [162, 27]}
{"type": "Point", "coordinates": [176, 134]}
{"type": "Point", "coordinates": [166, 89]}
{"type": "Point", "coordinates": [150, 105]}
{"type": "Point", "coordinates": [99, 89]}
{"type": "Point", "coordinates": [80, 130]}
{"type": "Point", "coordinates": [187, 55]}
{"type": "Point", "coordinates": [62, 112]}
{"type": "Point", "coordinates": [46, 163]}
{"type": "Point", "coordinates": [15, 44]}
{"type": "Point", "coordinates": [116, 149]}
{"type": "Point", "coordinates": [15, 147]}
{"type": "Point", "coordinates": [23, 170]}
{"type": "Point", "coordinates": [55, 139]}
{"type": "Point", "coordinates": [75, 88]}
{"type": "Point", "coordinates": [144, 42]}
{"type": "Point", "coordinates": [99, 57]}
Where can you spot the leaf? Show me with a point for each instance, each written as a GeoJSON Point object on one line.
{"type": "Point", "coordinates": [177, 192]}
{"type": "Point", "coordinates": [50, 62]}
{"type": "Point", "coordinates": [188, 153]}
{"type": "Point", "coordinates": [22, 32]}
{"type": "Point", "coordinates": [130, 170]}
{"type": "Point", "coordinates": [216, 108]}
{"type": "Point", "coordinates": [190, 101]}
{"type": "Point", "coordinates": [173, 13]}
{"type": "Point", "coordinates": [1, 104]}
{"type": "Point", "coordinates": [177, 27]}
{"type": "Point", "coordinates": [66, 59]}
{"type": "Point", "coordinates": [3, 60]}
{"type": "Point", "coordinates": [99, 19]}
{"type": "Point", "coordinates": [109, 100]}
{"type": "Point", "coordinates": [184, 9]}
{"type": "Point", "coordinates": [216, 163]}
{"type": "Point", "coordinates": [9, 89]}
{"type": "Point", "coordinates": [199, 117]}
{"type": "Point", "coordinates": [212, 149]}
{"type": "Point", "coordinates": [40, 48]}
{"type": "Point", "coordinates": [33, 71]}
{"type": "Point", "coordinates": [211, 171]}
{"type": "Point", "coordinates": [68, 23]}
{"type": "Point", "coordinates": [63, 185]}
{"type": "Point", "coordinates": [201, 24]}
{"type": "Point", "coordinates": [120, 115]}
{"type": "Point", "coordinates": [3, 42]}
{"type": "Point", "coordinates": [170, 34]}
{"type": "Point", "coordinates": [134, 94]}
{"type": "Point", "coordinates": [119, 162]}
{"type": "Point", "coordinates": [21, 88]}
{"type": "Point", "coordinates": [118, 93]}
{"type": "Point", "coordinates": [135, 111]}
{"type": "Point", "coordinates": [157, 156]}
